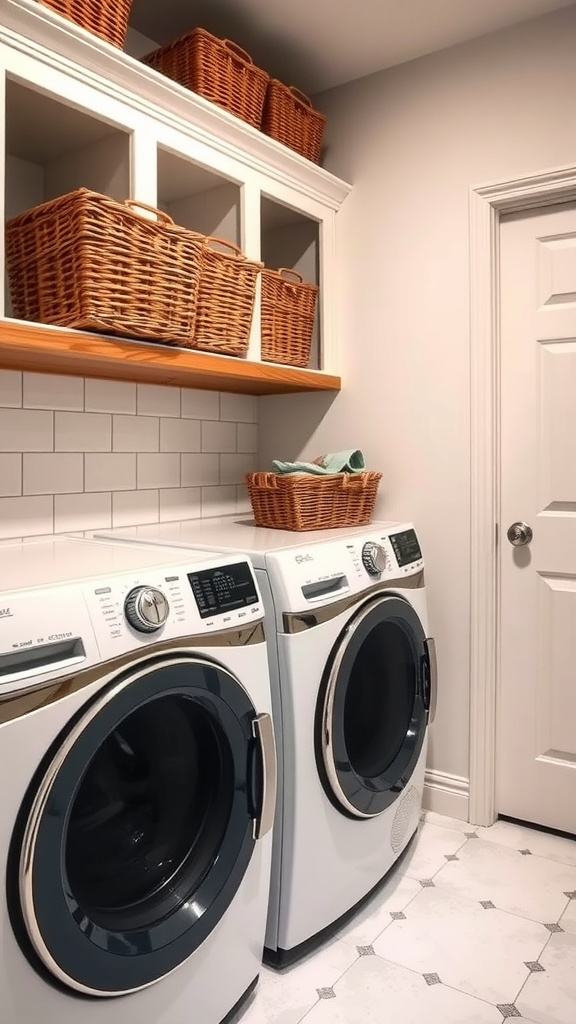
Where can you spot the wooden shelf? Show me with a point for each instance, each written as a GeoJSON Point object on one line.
{"type": "Point", "coordinates": [43, 349]}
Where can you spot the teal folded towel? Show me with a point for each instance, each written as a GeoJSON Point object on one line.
{"type": "Point", "coordinates": [351, 461]}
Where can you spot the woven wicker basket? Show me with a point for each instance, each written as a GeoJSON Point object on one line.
{"type": "Point", "coordinates": [86, 261]}
{"type": "Point", "coordinates": [225, 298]}
{"type": "Point", "coordinates": [105, 18]}
{"type": "Point", "coordinates": [288, 308]}
{"type": "Point", "coordinates": [217, 69]}
{"type": "Point", "coordinates": [300, 501]}
{"type": "Point", "coordinates": [289, 117]}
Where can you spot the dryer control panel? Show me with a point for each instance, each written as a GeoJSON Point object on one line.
{"type": "Point", "coordinates": [324, 572]}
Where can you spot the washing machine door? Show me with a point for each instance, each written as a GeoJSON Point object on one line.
{"type": "Point", "coordinates": [373, 707]}
{"type": "Point", "coordinates": [139, 827]}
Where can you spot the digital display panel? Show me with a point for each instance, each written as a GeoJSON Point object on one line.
{"type": "Point", "coordinates": [406, 547]}
{"type": "Point", "coordinates": [225, 589]}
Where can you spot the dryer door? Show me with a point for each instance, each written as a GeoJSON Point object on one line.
{"type": "Point", "coordinates": [372, 708]}
{"type": "Point", "coordinates": [139, 826]}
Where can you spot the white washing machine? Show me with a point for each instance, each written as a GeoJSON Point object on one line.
{"type": "Point", "coordinates": [137, 798]}
{"type": "Point", "coordinates": [354, 681]}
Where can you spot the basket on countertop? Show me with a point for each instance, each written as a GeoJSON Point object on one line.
{"type": "Point", "coordinates": [87, 261]}
{"type": "Point", "coordinates": [217, 69]}
{"type": "Point", "coordinates": [301, 501]}
{"type": "Point", "coordinates": [105, 18]}
{"type": "Point", "coordinates": [289, 117]}
{"type": "Point", "coordinates": [287, 320]}
{"type": "Point", "coordinates": [225, 298]}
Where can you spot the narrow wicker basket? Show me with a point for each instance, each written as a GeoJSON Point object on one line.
{"type": "Point", "coordinates": [287, 321]}
{"type": "Point", "coordinates": [217, 69]}
{"type": "Point", "coordinates": [105, 18]}
{"type": "Point", "coordinates": [300, 501]}
{"type": "Point", "coordinates": [86, 261]}
{"type": "Point", "coordinates": [225, 298]}
{"type": "Point", "coordinates": [289, 117]}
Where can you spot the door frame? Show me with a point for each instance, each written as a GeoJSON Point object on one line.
{"type": "Point", "coordinates": [487, 203]}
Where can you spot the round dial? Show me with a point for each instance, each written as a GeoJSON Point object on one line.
{"type": "Point", "coordinates": [146, 609]}
{"type": "Point", "coordinates": [373, 558]}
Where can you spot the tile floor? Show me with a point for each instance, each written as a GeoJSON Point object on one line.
{"type": "Point", "coordinates": [475, 926]}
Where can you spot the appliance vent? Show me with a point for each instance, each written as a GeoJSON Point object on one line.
{"type": "Point", "coordinates": [406, 815]}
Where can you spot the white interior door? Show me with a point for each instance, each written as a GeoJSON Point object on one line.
{"type": "Point", "coordinates": [536, 705]}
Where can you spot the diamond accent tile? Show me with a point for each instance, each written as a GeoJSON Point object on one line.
{"type": "Point", "coordinates": [365, 950]}
{"type": "Point", "coordinates": [571, 895]}
{"type": "Point", "coordinates": [431, 979]}
{"type": "Point", "coordinates": [427, 883]}
{"type": "Point", "coordinates": [525, 853]}
{"type": "Point", "coordinates": [471, 835]}
{"type": "Point", "coordinates": [326, 993]}
{"type": "Point", "coordinates": [508, 1010]}
{"type": "Point", "coordinates": [487, 904]}
{"type": "Point", "coordinates": [533, 966]}
{"type": "Point", "coordinates": [450, 856]}
{"type": "Point", "coordinates": [397, 915]}
{"type": "Point", "coordinates": [553, 928]}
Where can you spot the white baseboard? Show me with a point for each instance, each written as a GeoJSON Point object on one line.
{"type": "Point", "coordinates": [446, 794]}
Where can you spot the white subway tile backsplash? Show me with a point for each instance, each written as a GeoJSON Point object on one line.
{"type": "Point", "coordinates": [25, 430]}
{"type": "Point", "coordinates": [200, 405]}
{"type": "Point", "coordinates": [83, 432]}
{"type": "Point", "coordinates": [233, 468]}
{"type": "Point", "coordinates": [110, 472]}
{"type": "Point", "coordinates": [53, 391]}
{"type": "Point", "coordinates": [242, 408]}
{"type": "Point", "coordinates": [10, 389]}
{"type": "Point", "coordinates": [136, 433]}
{"type": "Point", "coordinates": [10, 474]}
{"type": "Point", "coordinates": [26, 517]}
{"type": "Point", "coordinates": [218, 501]}
{"type": "Point", "coordinates": [52, 473]}
{"type": "Point", "coordinates": [74, 512]}
{"type": "Point", "coordinates": [161, 470]}
{"type": "Point", "coordinates": [218, 437]}
{"type": "Point", "coordinates": [133, 508]}
{"type": "Point", "coordinates": [110, 396]}
{"type": "Point", "coordinates": [179, 503]}
{"type": "Point", "coordinates": [179, 435]}
{"type": "Point", "coordinates": [200, 469]}
{"type": "Point", "coordinates": [247, 437]}
{"type": "Point", "coordinates": [157, 400]}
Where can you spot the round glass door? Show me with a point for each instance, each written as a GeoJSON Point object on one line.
{"type": "Point", "coordinates": [138, 829]}
{"type": "Point", "coordinates": [372, 708]}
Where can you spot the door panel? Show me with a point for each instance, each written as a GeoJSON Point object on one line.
{"type": "Point", "coordinates": [536, 715]}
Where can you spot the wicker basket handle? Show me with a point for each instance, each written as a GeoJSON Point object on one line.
{"type": "Point", "coordinates": [223, 241]}
{"type": "Point", "coordinates": [159, 214]}
{"type": "Point", "coordinates": [286, 270]}
{"type": "Point", "coordinates": [238, 51]}
{"type": "Point", "coordinates": [300, 96]}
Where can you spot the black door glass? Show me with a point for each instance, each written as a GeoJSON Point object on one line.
{"type": "Point", "coordinates": [150, 814]}
{"type": "Point", "coordinates": [379, 699]}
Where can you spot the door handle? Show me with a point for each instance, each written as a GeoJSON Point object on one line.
{"type": "Point", "coordinates": [430, 649]}
{"type": "Point", "coordinates": [263, 732]}
{"type": "Point", "coordinates": [519, 534]}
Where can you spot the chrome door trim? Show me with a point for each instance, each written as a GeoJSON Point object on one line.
{"type": "Point", "coordinates": [263, 732]}
{"type": "Point", "coordinates": [298, 622]}
{"type": "Point", "coordinates": [33, 824]}
{"type": "Point", "coordinates": [430, 647]}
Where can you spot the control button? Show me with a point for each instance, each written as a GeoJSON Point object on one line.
{"type": "Point", "coordinates": [146, 609]}
{"type": "Point", "coordinates": [373, 558]}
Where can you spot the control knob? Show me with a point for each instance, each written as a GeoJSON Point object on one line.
{"type": "Point", "coordinates": [373, 558]}
{"type": "Point", "coordinates": [146, 609]}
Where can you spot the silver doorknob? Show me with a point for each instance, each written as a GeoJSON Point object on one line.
{"type": "Point", "coordinates": [519, 534]}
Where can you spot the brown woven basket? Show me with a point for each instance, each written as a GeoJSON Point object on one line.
{"type": "Point", "coordinates": [86, 261]}
{"type": "Point", "coordinates": [300, 501]}
{"type": "Point", "coordinates": [288, 308]}
{"type": "Point", "coordinates": [105, 18]}
{"type": "Point", "coordinates": [290, 118]}
{"type": "Point", "coordinates": [225, 298]}
{"type": "Point", "coordinates": [217, 69]}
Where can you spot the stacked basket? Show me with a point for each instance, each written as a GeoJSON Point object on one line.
{"type": "Point", "coordinates": [105, 18]}
{"type": "Point", "coordinates": [300, 501]}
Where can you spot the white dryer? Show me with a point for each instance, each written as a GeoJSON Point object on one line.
{"type": "Point", "coordinates": [137, 764]}
{"type": "Point", "coordinates": [354, 681]}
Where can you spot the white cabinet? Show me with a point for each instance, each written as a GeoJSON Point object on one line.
{"type": "Point", "coordinates": [80, 112]}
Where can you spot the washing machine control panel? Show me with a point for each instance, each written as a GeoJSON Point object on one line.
{"type": "Point", "coordinates": [374, 558]}
{"type": "Point", "coordinates": [146, 609]}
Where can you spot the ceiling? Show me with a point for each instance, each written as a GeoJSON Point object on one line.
{"type": "Point", "coordinates": [318, 44]}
